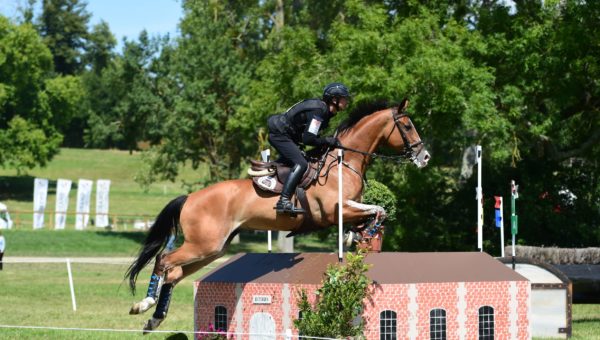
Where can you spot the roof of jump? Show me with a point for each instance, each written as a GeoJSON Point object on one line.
{"type": "Point", "coordinates": [387, 268]}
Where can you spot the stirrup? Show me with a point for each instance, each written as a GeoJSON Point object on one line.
{"type": "Point", "coordinates": [287, 207]}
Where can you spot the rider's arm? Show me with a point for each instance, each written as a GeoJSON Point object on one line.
{"type": "Point", "coordinates": [310, 136]}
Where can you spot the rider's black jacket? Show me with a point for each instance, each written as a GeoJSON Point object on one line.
{"type": "Point", "coordinates": [302, 122]}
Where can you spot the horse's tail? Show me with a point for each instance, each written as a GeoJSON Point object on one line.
{"type": "Point", "coordinates": [165, 225]}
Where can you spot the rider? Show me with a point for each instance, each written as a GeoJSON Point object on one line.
{"type": "Point", "coordinates": [301, 124]}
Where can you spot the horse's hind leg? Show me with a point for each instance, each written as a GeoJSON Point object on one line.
{"type": "Point", "coordinates": [154, 287]}
{"type": "Point", "coordinates": [177, 265]}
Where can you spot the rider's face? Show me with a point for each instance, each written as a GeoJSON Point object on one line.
{"type": "Point", "coordinates": [343, 103]}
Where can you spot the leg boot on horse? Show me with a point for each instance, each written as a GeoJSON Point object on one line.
{"type": "Point", "coordinates": [162, 308]}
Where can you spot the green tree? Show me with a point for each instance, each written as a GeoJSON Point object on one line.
{"type": "Point", "coordinates": [63, 24]}
{"type": "Point", "coordinates": [128, 97]}
{"type": "Point", "coordinates": [211, 73]}
{"type": "Point", "coordinates": [33, 105]}
{"type": "Point", "coordinates": [99, 47]}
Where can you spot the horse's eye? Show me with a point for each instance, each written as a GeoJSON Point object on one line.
{"type": "Point", "coordinates": [408, 127]}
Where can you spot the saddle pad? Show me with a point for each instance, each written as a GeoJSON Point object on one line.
{"type": "Point", "coordinates": [274, 183]}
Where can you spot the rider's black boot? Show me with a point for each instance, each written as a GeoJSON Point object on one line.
{"type": "Point", "coordinates": [284, 205]}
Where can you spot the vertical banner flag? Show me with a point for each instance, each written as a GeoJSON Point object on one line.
{"type": "Point", "coordinates": [84, 192]}
{"type": "Point", "coordinates": [102, 189]}
{"type": "Point", "coordinates": [40, 193]}
{"type": "Point", "coordinates": [63, 188]}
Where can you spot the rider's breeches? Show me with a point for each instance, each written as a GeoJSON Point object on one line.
{"type": "Point", "coordinates": [289, 152]}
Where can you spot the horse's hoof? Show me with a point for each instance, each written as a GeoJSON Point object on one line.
{"type": "Point", "coordinates": [152, 324]}
{"type": "Point", "coordinates": [142, 306]}
{"type": "Point", "coordinates": [349, 238]}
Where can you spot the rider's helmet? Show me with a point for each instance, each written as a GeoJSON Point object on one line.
{"type": "Point", "coordinates": [335, 90]}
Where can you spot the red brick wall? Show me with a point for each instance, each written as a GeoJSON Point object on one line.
{"type": "Point", "coordinates": [385, 297]}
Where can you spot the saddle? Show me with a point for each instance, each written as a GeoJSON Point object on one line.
{"type": "Point", "coordinates": [270, 176]}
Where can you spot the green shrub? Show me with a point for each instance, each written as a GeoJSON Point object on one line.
{"type": "Point", "coordinates": [378, 193]}
{"type": "Point", "coordinates": [339, 301]}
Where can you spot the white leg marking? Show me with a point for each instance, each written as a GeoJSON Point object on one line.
{"type": "Point", "coordinates": [369, 208]}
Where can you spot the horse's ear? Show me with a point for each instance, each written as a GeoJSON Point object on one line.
{"type": "Point", "coordinates": [403, 105]}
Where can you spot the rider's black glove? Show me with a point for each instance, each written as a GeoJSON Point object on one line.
{"type": "Point", "coordinates": [333, 142]}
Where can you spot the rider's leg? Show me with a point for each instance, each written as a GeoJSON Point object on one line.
{"type": "Point", "coordinates": [290, 152]}
{"type": "Point", "coordinates": [284, 205]}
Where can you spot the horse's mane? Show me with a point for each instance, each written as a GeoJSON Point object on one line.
{"type": "Point", "coordinates": [362, 110]}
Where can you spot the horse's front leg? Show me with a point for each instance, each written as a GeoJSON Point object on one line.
{"type": "Point", "coordinates": [355, 212]}
{"type": "Point", "coordinates": [360, 214]}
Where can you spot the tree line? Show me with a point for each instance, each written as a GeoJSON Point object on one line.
{"type": "Point", "coordinates": [519, 78]}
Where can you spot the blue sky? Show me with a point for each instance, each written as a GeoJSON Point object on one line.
{"type": "Point", "coordinates": [126, 18]}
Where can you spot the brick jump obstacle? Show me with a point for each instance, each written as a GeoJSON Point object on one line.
{"type": "Point", "coordinates": [463, 295]}
{"type": "Point", "coordinates": [451, 295]}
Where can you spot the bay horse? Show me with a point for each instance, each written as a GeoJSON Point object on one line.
{"type": "Point", "coordinates": [210, 217]}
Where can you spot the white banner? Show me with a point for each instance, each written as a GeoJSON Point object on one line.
{"type": "Point", "coordinates": [63, 188]}
{"type": "Point", "coordinates": [40, 193]}
{"type": "Point", "coordinates": [102, 189]}
{"type": "Point", "coordinates": [84, 193]}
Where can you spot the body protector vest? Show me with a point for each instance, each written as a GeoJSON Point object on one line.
{"type": "Point", "coordinates": [306, 117]}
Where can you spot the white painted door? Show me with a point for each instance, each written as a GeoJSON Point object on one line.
{"type": "Point", "coordinates": [262, 327]}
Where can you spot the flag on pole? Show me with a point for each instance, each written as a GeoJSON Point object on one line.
{"type": "Point", "coordinates": [498, 211]}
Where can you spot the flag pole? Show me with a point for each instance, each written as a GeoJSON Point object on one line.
{"type": "Point", "coordinates": [479, 199]}
{"type": "Point", "coordinates": [266, 157]}
{"type": "Point", "coordinates": [514, 219]}
{"type": "Point", "coordinates": [340, 222]}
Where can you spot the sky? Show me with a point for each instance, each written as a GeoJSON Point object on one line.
{"type": "Point", "coordinates": [126, 18]}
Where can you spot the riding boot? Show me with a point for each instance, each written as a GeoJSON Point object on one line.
{"type": "Point", "coordinates": [284, 205]}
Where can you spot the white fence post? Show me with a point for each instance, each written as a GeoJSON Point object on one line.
{"type": "Point", "coordinates": [71, 285]}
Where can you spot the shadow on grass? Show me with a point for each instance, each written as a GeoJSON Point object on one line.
{"type": "Point", "coordinates": [17, 188]}
{"type": "Point", "coordinates": [137, 236]}
{"type": "Point", "coordinates": [250, 241]}
{"type": "Point", "coordinates": [587, 320]}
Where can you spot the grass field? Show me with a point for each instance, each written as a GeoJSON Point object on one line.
{"type": "Point", "coordinates": [34, 294]}
{"type": "Point", "coordinates": [127, 198]}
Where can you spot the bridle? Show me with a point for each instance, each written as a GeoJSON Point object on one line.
{"type": "Point", "coordinates": [409, 149]}
{"type": "Point", "coordinates": [407, 154]}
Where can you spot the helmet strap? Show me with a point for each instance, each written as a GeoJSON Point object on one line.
{"type": "Point", "coordinates": [336, 103]}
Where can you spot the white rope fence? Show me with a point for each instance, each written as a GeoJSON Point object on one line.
{"type": "Point", "coordinates": [422, 331]}
{"type": "Point", "coordinates": [227, 334]}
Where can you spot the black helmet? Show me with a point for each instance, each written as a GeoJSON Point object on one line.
{"type": "Point", "coordinates": [335, 90]}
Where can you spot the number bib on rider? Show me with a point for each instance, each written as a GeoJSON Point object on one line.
{"type": "Point", "coordinates": [314, 126]}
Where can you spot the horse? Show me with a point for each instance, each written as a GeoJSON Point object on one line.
{"type": "Point", "coordinates": [211, 217]}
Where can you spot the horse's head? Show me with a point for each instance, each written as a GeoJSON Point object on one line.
{"type": "Point", "coordinates": [407, 139]}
